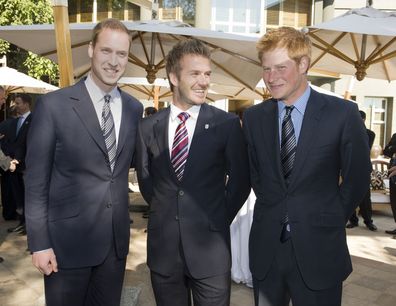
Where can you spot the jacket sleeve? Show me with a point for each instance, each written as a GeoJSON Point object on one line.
{"type": "Point", "coordinates": [355, 161]}
{"type": "Point", "coordinates": [238, 184]}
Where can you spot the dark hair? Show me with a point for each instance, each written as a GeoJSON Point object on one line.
{"type": "Point", "coordinates": [184, 47]}
{"type": "Point", "coordinates": [109, 23]}
{"type": "Point", "coordinates": [25, 98]}
{"type": "Point", "coordinates": [362, 114]}
{"type": "Point", "coordinates": [148, 111]}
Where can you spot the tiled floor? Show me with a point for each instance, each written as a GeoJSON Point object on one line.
{"type": "Point", "coordinates": [373, 282]}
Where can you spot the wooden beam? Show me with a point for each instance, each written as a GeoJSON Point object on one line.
{"type": "Point", "coordinates": [63, 45]}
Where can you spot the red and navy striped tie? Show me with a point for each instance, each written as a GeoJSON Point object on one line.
{"type": "Point", "coordinates": [180, 146]}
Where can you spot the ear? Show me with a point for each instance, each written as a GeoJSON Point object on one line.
{"type": "Point", "coordinates": [173, 79]}
{"type": "Point", "coordinates": [304, 64]}
{"type": "Point", "coordinates": [90, 50]}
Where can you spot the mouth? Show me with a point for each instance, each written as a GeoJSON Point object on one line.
{"type": "Point", "coordinates": [200, 92]}
{"type": "Point", "coordinates": [111, 71]}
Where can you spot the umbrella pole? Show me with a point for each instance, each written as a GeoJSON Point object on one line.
{"type": "Point", "coordinates": [347, 94]}
{"type": "Point", "coordinates": [63, 45]}
{"type": "Point", "coordinates": [156, 96]}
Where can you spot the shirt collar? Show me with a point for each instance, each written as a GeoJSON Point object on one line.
{"type": "Point", "coordinates": [97, 94]}
{"type": "Point", "coordinates": [300, 105]}
{"type": "Point", "coordinates": [193, 111]}
{"type": "Point", "coordinates": [24, 116]}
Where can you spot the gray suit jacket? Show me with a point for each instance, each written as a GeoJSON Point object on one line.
{"type": "Point", "coordinates": [74, 203]}
{"type": "Point", "coordinates": [332, 143]}
{"type": "Point", "coordinates": [196, 212]}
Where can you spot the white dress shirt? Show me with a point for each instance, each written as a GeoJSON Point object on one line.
{"type": "Point", "coordinates": [97, 97]}
{"type": "Point", "coordinates": [191, 122]}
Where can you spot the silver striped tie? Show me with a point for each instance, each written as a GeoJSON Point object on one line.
{"type": "Point", "coordinates": [108, 130]}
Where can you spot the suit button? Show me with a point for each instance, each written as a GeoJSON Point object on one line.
{"type": "Point", "coordinates": [108, 205]}
{"type": "Point", "coordinates": [181, 193]}
{"type": "Point", "coordinates": [177, 218]}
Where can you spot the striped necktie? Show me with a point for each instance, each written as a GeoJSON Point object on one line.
{"type": "Point", "coordinates": [180, 146]}
{"type": "Point", "coordinates": [288, 153]}
{"type": "Point", "coordinates": [288, 144]}
{"type": "Point", "coordinates": [108, 130]}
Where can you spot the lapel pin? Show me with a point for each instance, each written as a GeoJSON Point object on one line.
{"type": "Point", "coordinates": [206, 126]}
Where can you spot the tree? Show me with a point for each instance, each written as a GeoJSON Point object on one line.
{"type": "Point", "coordinates": [188, 7]}
{"type": "Point", "coordinates": [25, 12]}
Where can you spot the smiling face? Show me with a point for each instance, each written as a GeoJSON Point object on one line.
{"type": "Point", "coordinates": [285, 79]}
{"type": "Point", "coordinates": [109, 57]}
{"type": "Point", "coordinates": [192, 83]}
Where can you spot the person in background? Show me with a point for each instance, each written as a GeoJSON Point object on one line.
{"type": "Point", "coordinates": [80, 147]}
{"type": "Point", "coordinates": [15, 146]}
{"type": "Point", "coordinates": [300, 142]}
{"type": "Point", "coordinates": [365, 208]}
{"type": "Point", "coordinates": [389, 151]}
{"type": "Point", "coordinates": [193, 171]}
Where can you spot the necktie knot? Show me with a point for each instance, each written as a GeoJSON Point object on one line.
{"type": "Point", "coordinates": [107, 98]}
{"type": "Point", "coordinates": [289, 110]}
{"type": "Point", "coordinates": [183, 116]}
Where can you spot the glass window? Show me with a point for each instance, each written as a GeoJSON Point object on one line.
{"type": "Point", "coordinates": [239, 11]}
{"type": "Point", "coordinates": [222, 10]}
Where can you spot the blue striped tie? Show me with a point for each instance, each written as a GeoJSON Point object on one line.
{"type": "Point", "coordinates": [108, 130]}
{"type": "Point", "coordinates": [288, 153]}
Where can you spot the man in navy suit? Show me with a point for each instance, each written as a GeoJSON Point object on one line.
{"type": "Point", "coordinates": [80, 147]}
{"type": "Point", "coordinates": [310, 167]}
{"type": "Point", "coordinates": [193, 171]}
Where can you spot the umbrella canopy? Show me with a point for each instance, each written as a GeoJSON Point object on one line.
{"type": "Point", "coordinates": [361, 42]}
{"type": "Point", "coordinates": [140, 88]}
{"type": "Point", "coordinates": [14, 81]}
{"type": "Point", "coordinates": [234, 57]}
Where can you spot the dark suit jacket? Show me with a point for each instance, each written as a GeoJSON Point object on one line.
{"type": "Point", "coordinates": [197, 211]}
{"type": "Point", "coordinates": [390, 148]}
{"type": "Point", "coordinates": [14, 145]}
{"type": "Point", "coordinates": [371, 137]}
{"type": "Point", "coordinates": [332, 142]}
{"type": "Point", "coordinates": [74, 203]}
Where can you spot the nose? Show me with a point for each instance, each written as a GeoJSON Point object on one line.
{"type": "Point", "coordinates": [113, 59]}
{"type": "Point", "coordinates": [203, 79]}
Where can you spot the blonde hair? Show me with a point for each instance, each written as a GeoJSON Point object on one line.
{"type": "Point", "coordinates": [297, 44]}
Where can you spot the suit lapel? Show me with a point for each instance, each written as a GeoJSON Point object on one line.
{"type": "Point", "coordinates": [161, 131]}
{"type": "Point", "coordinates": [126, 117]}
{"type": "Point", "coordinates": [313, 113]}
{"type": "Point", "coordinates": [205, 121]}
{"type": "Point", "coordinates": [270, 134]}
{"type": "Point", "coordinates": [82, 104]}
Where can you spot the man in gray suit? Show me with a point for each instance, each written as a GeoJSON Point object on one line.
{"type": "Point", "coordinates": [193, 171]}
{"type": "Point", "coordinates": [310, 166]}
{"type": "Point", "coordinates": [80, 147]}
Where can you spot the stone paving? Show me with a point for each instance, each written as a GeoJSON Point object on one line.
{"type": "Point", "coordinates": [373, 282]}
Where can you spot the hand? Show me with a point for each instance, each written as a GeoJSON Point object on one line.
{"type": "Point", "coordinates": [392, 171]}
{"type": "Point", "coordinates": [13, 164]}
{"type": "Point", "coordinates": [45, 261]}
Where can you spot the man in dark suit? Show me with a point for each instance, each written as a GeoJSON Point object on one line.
{"type": "Point", "coordinates": [309, 164]}
{"type": "Point", "coordinates": [15, 146]}
{"type": "Point", "coordinates": [365, 208]}
{"type": "Point", "coordinates": [80, 147]}
{"type": "Point", "coordinates": [193, 171]}
{"type": "Point", "coordinates": [389, 151]}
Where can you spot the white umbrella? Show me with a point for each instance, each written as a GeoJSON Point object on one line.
{"type": "Point", "coordinates": [234, 56]}
{"type": "Point", "coordinates": [14, 81]}
{"type": "Point", "coordinates": [361, 42]}
{"type": "Point", "coordinates": [140, 88]}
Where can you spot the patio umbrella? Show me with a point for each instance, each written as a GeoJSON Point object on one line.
{"type": "Point", "coordinates": [160, 90]}
{"type": "Point", "coordinates": [234, 56]}
{"type": "Point", "coordinates": [361, 42]}
{"type": "Point", "coordinates": [14, 81]}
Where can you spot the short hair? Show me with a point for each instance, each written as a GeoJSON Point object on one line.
{"type": "Point", "coordinates": [296, 43]}
{"type": "Point", "coordinates": [184, 47]}
{"type": "Point", "coordinates": [26, 98]}
{"type": "Point", "coordinates": [109, 23]}
{"type": "Point", "coordinates": [150, 110]}
{"type": "Point", "coordinates": [362, 114]}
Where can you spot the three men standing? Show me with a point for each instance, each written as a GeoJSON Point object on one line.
{"type": "Point", "coordinates": [80, 147]}
{"type": "Point", "coordinates": [310, 167]}
{"type": "Point", "coordinates": [192, 170]}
